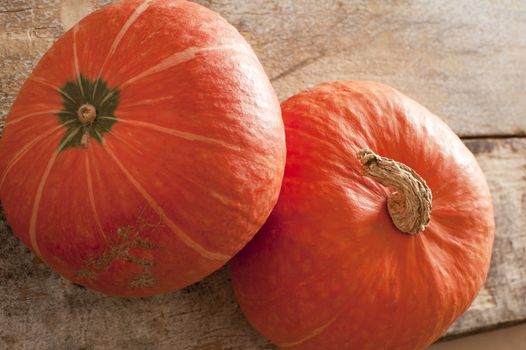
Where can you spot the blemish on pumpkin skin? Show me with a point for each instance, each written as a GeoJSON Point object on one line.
{"type": "Point", "coordinates": [145, 279]}
{"type": "Point", "coordinates": [128, 237]}
{"type": "Point", "coordinates": [86, 274]}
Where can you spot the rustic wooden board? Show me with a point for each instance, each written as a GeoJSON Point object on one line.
{"type": "Point", "coordinates": [40, 310]}
{"type": "Point", "coordinates": [503, 300]}
{"type": "Point", "coordinates": [464, 60]}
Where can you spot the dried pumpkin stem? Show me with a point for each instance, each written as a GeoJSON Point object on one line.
{"type": "Point", "coordinates": [410, 205]}
{"type": "Point", "coordinates": [87, 114]}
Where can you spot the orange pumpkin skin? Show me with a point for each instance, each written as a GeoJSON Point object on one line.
{"type": "Point", "coordinates": [329, 270]}
{"type": "Point", "coordinates": [180, 167]}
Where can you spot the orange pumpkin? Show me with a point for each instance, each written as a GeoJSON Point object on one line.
{"type": "Point", "coordinates": [145, 149]}
{"type": "Point", "coordinates": [345, 262]}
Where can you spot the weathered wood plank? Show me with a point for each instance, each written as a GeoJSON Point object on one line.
{"type": "Point", "coordinates": [40, 310]}
{"type": "Point", "coordinates": [463, 59]}
{"type": "Point", "coordinates": [504, 298]}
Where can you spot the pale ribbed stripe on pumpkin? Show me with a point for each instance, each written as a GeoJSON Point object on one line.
{"type": "Point", "coordinates": [29, 115]}
{"type": "Point", "coordinates": [181, 57]}
{"type": "Point", "coordinates": [181, 134]}
{"type": "Point", "coordinates": [43, 82]}
{"type": "Point", "coordinates": [36, 205]}
{"type": "Point", "coordinates": [38, 196]}
{"type": "Point", "coordinates": [76, 57]}
{"type": "Point", "coordinates": [155, 206]}
{"type": "Point", "coordinates": [224, 200]}
{"type": "Point", "coordinates": [149, 101]}
{"type": "Point", "coordinates": [133, 17]}
{"type": "Point", "coordinates": [92, 197]}
{"type": "Point", "coordinates": [314, 333]}
{"type": "Point", "coordinates": [129, 145]}
{"type": "Point", "coordinates": [191, 137]}
{"type": "Point", "coordinates": [227, 202]}
{"type": "Point", "coordinates": [26, 148]}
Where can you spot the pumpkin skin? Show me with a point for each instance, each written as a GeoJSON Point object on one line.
{"type": "Point", "coordinates": [180, 167]}
{"type": "Point", "coordinates": [329, 270]}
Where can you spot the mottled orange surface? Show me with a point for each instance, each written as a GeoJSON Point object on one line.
{"type": "Point", "coordinates": [188, 173]}
{"type": "Point", "coordinates": [329, 270]}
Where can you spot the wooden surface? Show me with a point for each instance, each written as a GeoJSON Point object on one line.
{"type": "Point", "coordinates": [509, 338]}
{"type": "Point", "coordinates": [465, 60]}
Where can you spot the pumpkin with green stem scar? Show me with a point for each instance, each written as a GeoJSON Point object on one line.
{"type": "Point", "coordinates": [144, 150]}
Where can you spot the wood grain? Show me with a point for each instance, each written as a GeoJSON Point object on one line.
{"type": "Point", "coordinates": [464, 60]}
{"type": "Point", "coordinates": [40, 310]}
{"type": "Point", "coordinates": [504, 298]}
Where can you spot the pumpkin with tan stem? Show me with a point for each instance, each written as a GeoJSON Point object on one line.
{"type": "Point", "coordinates": [145, 149]}
{"type": "Point", "coordinates": [383, 231]}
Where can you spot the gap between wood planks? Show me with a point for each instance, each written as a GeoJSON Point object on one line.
{"type": "Point", "coordinates": [484, 329]}
{"type": "Point", "coordinates": [495, 136]}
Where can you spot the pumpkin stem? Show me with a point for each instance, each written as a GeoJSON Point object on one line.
{"type": "Point", "coordinates": [410, 205]}
{"type": "Point", "coordinates": [87, 114]}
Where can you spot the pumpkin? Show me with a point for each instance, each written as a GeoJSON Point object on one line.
{"type": "Point", "coordinates": [383, 231]}
{"type": "Point", "coordinates": [144, 150]}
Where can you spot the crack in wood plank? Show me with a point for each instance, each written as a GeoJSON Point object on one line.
{"type": "Point", "coordinates": [16, 10]}
{"type": "Point", "coordinates": [297, 67]}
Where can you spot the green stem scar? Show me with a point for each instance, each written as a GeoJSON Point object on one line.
{"type": "Point", "coordinates": [84, 101]}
